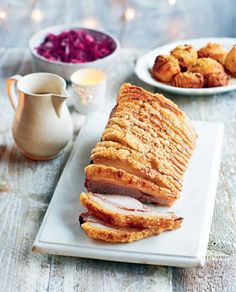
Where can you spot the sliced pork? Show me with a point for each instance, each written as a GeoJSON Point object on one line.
{"type": "Point", "coordinates": [101, 230]}
{"type": "Point", "coordinates": [110, 180]}
{"type": "Point", "coordinates": [125, 211]}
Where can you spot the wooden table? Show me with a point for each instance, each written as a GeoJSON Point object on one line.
{"type": "Point", "coordinates": [26, 188]}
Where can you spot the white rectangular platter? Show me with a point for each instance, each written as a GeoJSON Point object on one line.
{"type": "Point", "coordinates": [61, 234]}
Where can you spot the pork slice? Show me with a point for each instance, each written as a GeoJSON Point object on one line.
{"type": "Point", "coordinates": [125, 211]}
{"type": "Point", "coordinates": [101, 230]}
{"type": "Point", "coordinates": [103, 187]}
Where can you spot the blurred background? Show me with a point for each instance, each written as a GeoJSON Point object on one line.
{"type": "Point", "coordinates": [137, 23]}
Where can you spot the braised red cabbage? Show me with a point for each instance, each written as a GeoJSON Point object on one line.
{"type": "Point", "coordinates": [76, 46]}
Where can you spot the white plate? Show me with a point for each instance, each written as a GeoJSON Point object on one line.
{"type": "Point", "coordinates": [145, 63]}
{"type": "Point", "coordinates": [60, 232]}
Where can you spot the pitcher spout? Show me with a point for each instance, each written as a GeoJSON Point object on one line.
{"type": "Point", "coordinates": [57, 102]}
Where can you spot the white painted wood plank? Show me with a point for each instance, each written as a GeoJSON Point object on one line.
{"type": "Point", "coordinates": [89, 275]}
{"type": "Point", "coordinates": [218, 275]}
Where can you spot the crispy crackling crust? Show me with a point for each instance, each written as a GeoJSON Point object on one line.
{"type": "Point", "coordinates": [115, 236]}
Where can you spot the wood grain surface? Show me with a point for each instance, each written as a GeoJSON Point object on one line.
{"type": "Point", "coordinates": [26, 188]}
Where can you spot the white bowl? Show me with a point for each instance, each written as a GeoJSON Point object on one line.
{"type": "Point", "coordinates": [61, 68]}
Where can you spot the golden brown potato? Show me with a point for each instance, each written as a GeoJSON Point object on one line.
{"type": "Point", "coordinates": [206, 66]}
{"type": "Point", "coordinates": [165, 68]}
{"type": "Point", "coordinates": [217, 79]}
{"type": "Point", "coordinates": [230, 62]}
{"type": "Point", "coordinates": [185, 54]}
{"type": "Point", "coordinates": [214, 51]}
{"type": "Point", "coordinates": [188, 80]}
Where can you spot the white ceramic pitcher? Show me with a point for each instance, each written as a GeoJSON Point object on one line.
{"type": "Point", "coordinates": [42, 126]}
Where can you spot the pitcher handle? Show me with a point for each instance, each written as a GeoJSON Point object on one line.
{"type": "Point", "coordinates": [11, 90]}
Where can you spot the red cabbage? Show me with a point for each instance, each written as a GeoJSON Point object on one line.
{"type": "Point", "coordinates": [76, 46]}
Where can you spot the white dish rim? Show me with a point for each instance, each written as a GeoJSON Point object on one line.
{"type": "Point", "coordinates": [176, 90]}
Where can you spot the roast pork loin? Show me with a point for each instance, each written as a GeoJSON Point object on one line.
{"type": "Point", "coordinates": [142, 157]}
{"type": "Point", "coordinates": [145, 149]}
